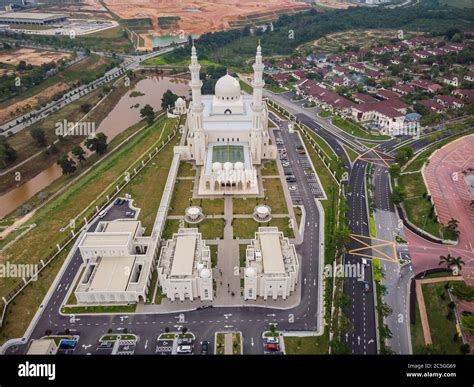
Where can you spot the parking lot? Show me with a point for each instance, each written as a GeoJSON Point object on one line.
{"type": "Point", "coordinates": [305, 163]}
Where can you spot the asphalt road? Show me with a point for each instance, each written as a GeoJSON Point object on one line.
{"type": "Point", "coordinates": [361, 312]}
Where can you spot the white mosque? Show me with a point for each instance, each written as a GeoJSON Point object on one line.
{"type": "Point", "coordinates": [228, 133]}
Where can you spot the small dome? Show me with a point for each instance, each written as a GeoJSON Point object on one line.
{"type": "Point", "coordinates": [180, 102]}
{"type": "Point", "coordinates": [239, 166]}
{"type": "Point", "coordinates": [216, 167]}
{"type": "Point", "coordinates": [250, 272]}
{"type": "Point", "coordinates": [228, 166]}
{"type": "Point", "coordinates": [227, 87]}
{"type": "Point", "coordinates": [205, 273]}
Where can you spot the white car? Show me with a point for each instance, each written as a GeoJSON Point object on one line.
{"type": "Point", "coordinates": [184, 349]}
{"type": "Point", "coordinates": [292, 187]}
{"type": "Point", "coordinates": [102, 214]}
{"type": "Point", "coordinates": [273, 340]}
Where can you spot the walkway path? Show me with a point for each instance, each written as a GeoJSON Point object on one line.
{"type": "Point", "coordinates": [227, 274]}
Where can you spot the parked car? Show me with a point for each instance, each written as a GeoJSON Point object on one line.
{"type": "Point", "coordinates": [184, 349]}
{"type": "Point", "coordinates": [273, 347]}
{"type": "Point", "coordinates": [204, 347]}
{"type": "Point", "coordinates": [129, 214]}
{"type": "Point", "coordinates": [292, 187]}
{"type": "Point", "coordinates": [185, 341]}
{"type": "Point", "coordinates": [102, 214]}
{"type": "Point", "coordinates": [117, 202]}
{"type": "Point", "coordinates": [273, 340]}
{"type": "Point", "coordinates": [291, 179]}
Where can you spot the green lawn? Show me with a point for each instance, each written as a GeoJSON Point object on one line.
{"type": "Point", "coordinates": [169, 59]}
{"type": "Point", "coordinates": [158, 296]}
{"type": "Point", "coordinates": [246, 87]}
{"type": "Point", "coordinates": [210, 206]}
{"type": "Point", "coordinates": [323, 145]}
{"type": "Point", "coordinates": [246, 228]}
{"type": "Point", "coordinates": [242, 253]}
{"type": "Point", "coordinates": [352, 155]}
{"type": "Point", "coordinates": [99, 309]}
{"type": "Point", "coordinates": [154, 177]}
{"type": "Point", "coordinates": [270, 168]}
{"type": "Point", "coordinates": [186, 170]}
{"type": "Point", "coordinates": [311, 345]}
{"type": "Point", "coordinates": [274, 197]}
{"type": "Point", "coordinates": [417, 207]}
{"type": "Point", "coordinates": [442, 329]}
{"type": "Point", "coordinates": [210, 228]}
{"type": "Point", "coordinates": [373, 230]}
{"type": "Point", "coordinates": [213, 249]}
{"type": "Point", "coordinates": [325, 114]}
{"type": "Point", "coordinates": [356, 130]}
{"type": "Point", "coordinates": [181, 198]}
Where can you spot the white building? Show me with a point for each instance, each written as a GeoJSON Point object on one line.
{"type": "Point", "coordinates": [118, 263]}
{"type": "Point", "coordinates": [272, 266]}
{"type": "Point", "coordinates": [228, 133]}
{"type": "Point", "coordinates": [184, 267]}
{"type": "Point", "coordinates": [42, 347]}
{"type": "Point", "coordinates": [179, 106]}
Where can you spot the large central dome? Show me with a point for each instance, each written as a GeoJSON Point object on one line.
{"type": "Point", "coordinates": [227, 87]}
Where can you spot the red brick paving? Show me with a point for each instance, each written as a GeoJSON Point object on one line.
{"type": "Point", "coordinates": [451, 200]}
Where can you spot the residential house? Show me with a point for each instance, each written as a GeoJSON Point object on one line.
{"type": "Point", "coordinates": [451, 80]}
{"type": "Point", "coordinates": [403, 88]}
{"type": "Point", "coordinates": [465, 94]}
{"type": "Point", "coordinates": [387, 94]}
{"type": "Point", "coordinates": [357, 67]}
{"type": "Point", "coordinates": [448, 101]}
{"type": "Point", "coordinates": [431, 105]}
{"type": "Point", "coordinates": [469, 77]}
{"type": "Point", "coordinates": [426, 85]}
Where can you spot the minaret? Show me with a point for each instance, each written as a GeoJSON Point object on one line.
{"type": "Point", "coordinates": [196, 109]}
{"type": "Point", "coordinates": [196, 84]}
{"type": "Point", "coordinates": [258, 84]}
{"type": "Point", "coordinates": [257, 108]}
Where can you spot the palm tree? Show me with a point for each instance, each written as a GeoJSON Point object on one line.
{"type": "Point", "coordinates": [445, 260]}
{"type": "Point", "coordinates": [453, 226]}
{"type": "Point", "coordinates": [456, 264]}
{"type": "Point", "coordinates": [452, 263]}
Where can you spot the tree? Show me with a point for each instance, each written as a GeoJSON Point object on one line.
{"type": "Point", "coordinates": [454, 264]}
{"type": "Point", "coordinates": [397, 195]}
{"type": "Point", "coordinates": [457, 264]}
{"type": "Point", "coordinates": [7, 153]}
{"type": "Point", "coordinates": [147, 113]}
{"type": "Point", "coordinates": [342, 238]}
{"type": "Point", "coordinates": [38, 135]}
{"type": "Point", "coordinates": [168, 100]}
{"type": "Point", "coordinates": [79, 153]}
{"type": "Point", "coordinates": [395, 170]}
{"type": "Point", "coordinates": [97, 144]}
{"type": "Point", "coordinates": [86, 107]}
{"type": "Point", "coordinates": [67, 165]}
{"type": "Point", "coordinates": [404, 154]}
{"type": "Point", "coordinates": [452, 227]}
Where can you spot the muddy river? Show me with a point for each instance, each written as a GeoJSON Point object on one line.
{"type": "Point", "coordinates": [125, 114]}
